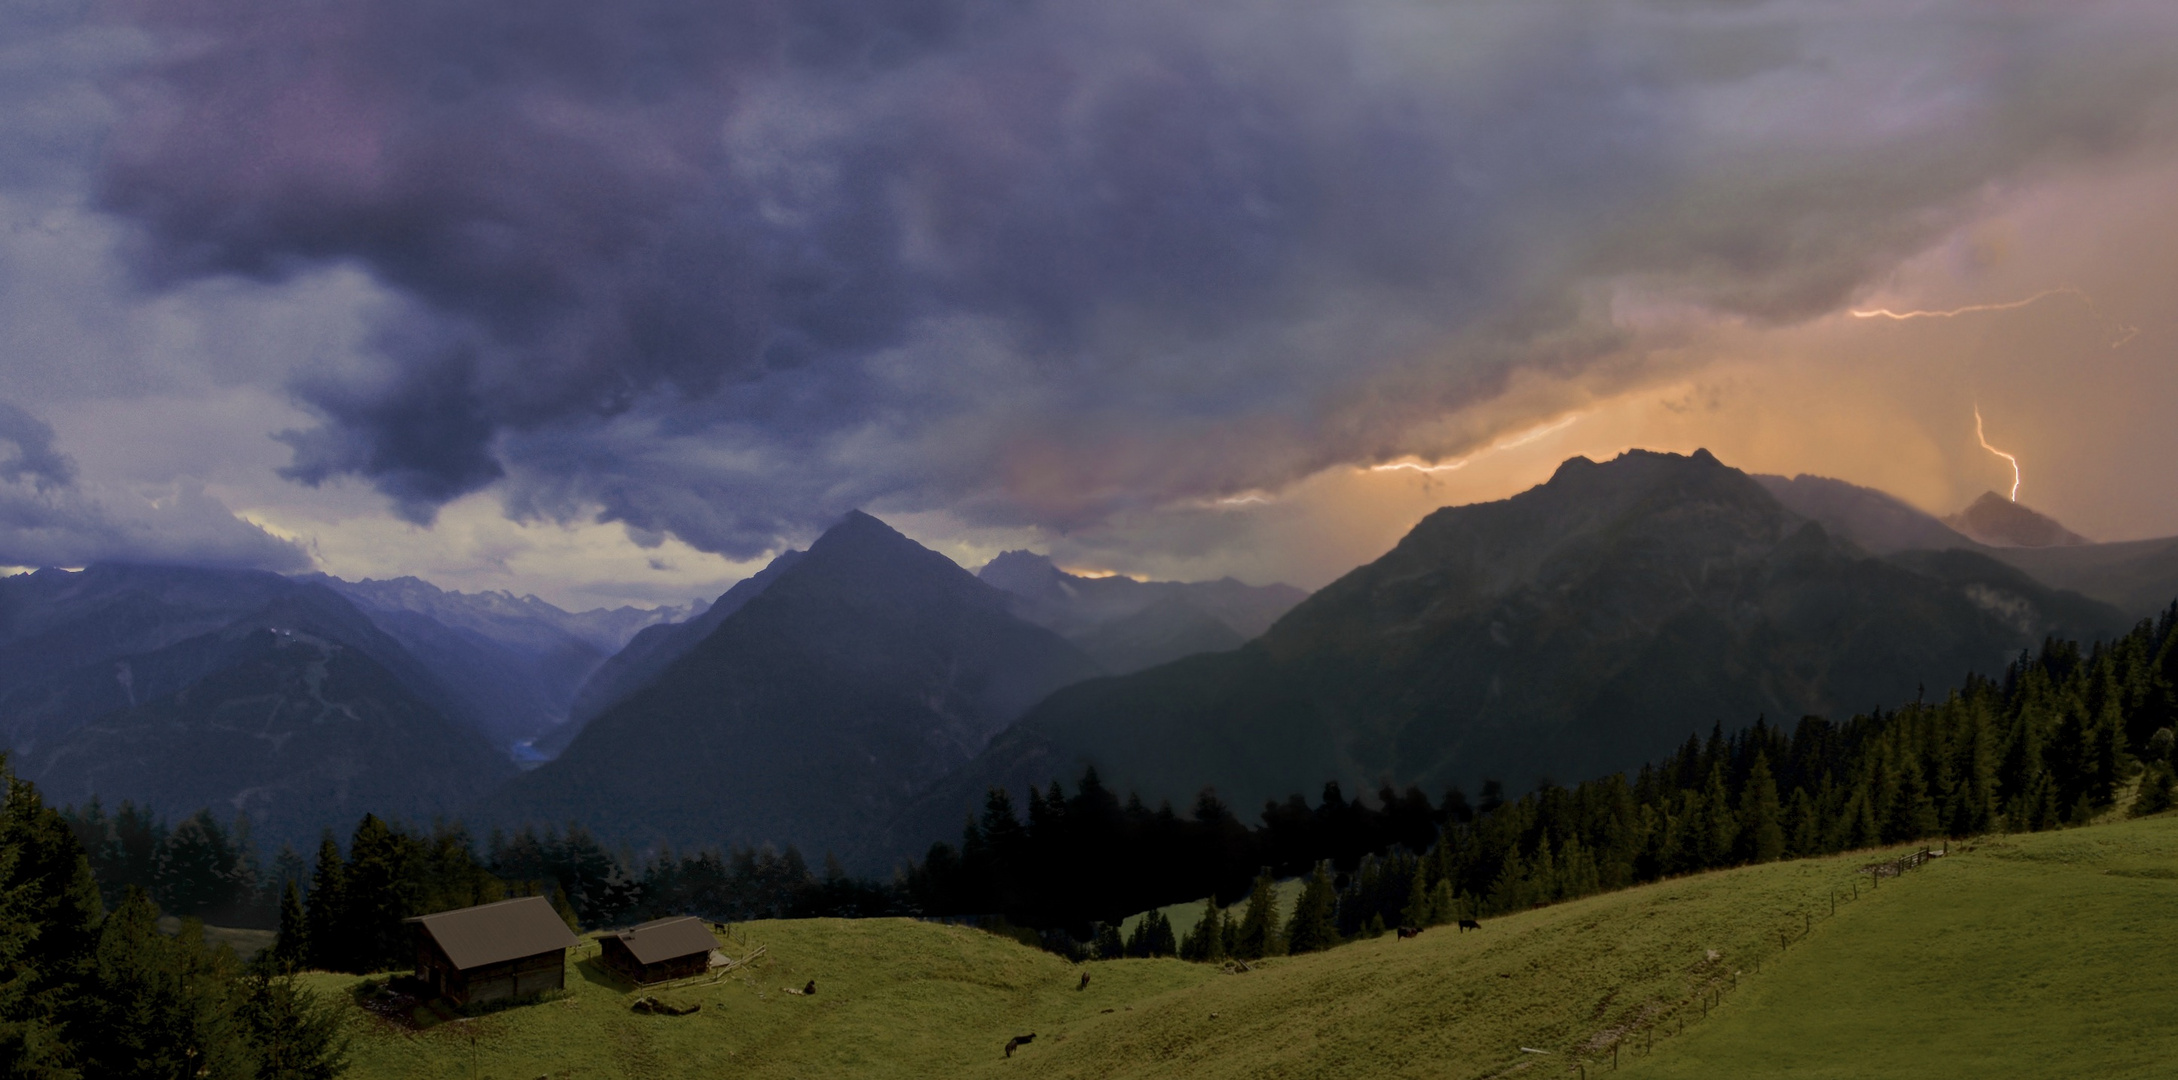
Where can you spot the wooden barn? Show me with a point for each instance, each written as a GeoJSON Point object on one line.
{"type": "Point", "coordinates": [492, 952]}
{"type": "Point", "coordinates": [658, 950]}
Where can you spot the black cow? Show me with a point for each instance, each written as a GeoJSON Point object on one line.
{"type": "Point", "coordinates": [1469, 924]}
{"type": "Point", "coordinates": [1406, 932]}
{"type": "Point", "coordinates": [1084, 981]}
{"type": "Point", "coordinates": [1019, 1040]}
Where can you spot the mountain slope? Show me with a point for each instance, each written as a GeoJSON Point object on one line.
{"type": "Point", "coordinates": [243, 691]}
{"type": "Point", "coordinates": [866, 670]}
{"type": "Point", "coordinates": [1576, 629]}
{"type": "Point", "coordinates": [651, 651]}
{"type": "Point", "coordinates": [2138, 577]}
{"type": "Point", "coordinates": [1999, 522]}
{"type": "Point", "coordinates": [1877, 521]}
{"type": "Point", "coordinates": [516, 662]}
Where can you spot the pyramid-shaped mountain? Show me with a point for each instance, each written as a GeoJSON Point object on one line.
{"type": "Point", "coordinates": [1999, 522]}
{"type": "Point", "coordinates": [864, 671]}
{"type": "Point", "coordinates": [1577, 629]}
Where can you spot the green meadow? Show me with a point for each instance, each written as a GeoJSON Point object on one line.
{"type": "Point", "coordinates": [2040, 955]}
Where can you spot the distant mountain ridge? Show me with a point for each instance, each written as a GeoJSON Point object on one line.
{"type": "Point", "coordinates": [1127, 625]}
{"type": "Point", "coordinates": [1997, 521]}
{"type": "Point", "coordinates": [1578, 628]}
{"type": "Point", "coordinates": [863, 671]}
{"type": "Point", "coordinates": [243, 691]}
{"type": "Point", "coordinates": [516, 662]}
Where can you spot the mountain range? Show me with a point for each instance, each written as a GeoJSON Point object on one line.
{"type": "Point", "coordinates": [1576, 629]}
{"type": "Point", "coordinates": [863, 671]}
{"type": "Point", "coordinates": [858, 697]}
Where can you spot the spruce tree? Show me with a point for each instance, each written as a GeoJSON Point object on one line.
{"type": "Point", "coordinates": [1314, 927]}
{"type": "Point", "coordinates": [1764, 827]}
{"type": "Point", "coordinates": [290, 950]}
{"type": "Point", "coordinates": [49, 912]}
{"type": "Point", "coordinates": [163, 1006]}
{"type": "Point", "coordinates": [326, 932]}
{"type": "Point", "coordinates": [1205, 942]}
{"type": "Point", "coordinates": [294, 1035]}
{"type": "Point", "coordinates": [1417, 912]}
{"type": "Point", "coordinates": [1257, 935]}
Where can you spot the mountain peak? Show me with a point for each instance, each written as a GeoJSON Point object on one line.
{"type": "Point", "coordinates": [1999, 522]}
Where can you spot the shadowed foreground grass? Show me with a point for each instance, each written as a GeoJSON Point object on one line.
{"type": "Point", "coordinates": [2009, 960]}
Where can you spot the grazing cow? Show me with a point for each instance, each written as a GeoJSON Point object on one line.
{"type": "Point", "coordinates": [1019, 1040]}
{"type": "Point", "coordinates": [1406, 932]}
{"type": "Point", "coordinates": [811, 988]}
{"type": "Point", "coordinates": [1084, 981]}
{"type": "Point", "coordinates": [1469, 924]}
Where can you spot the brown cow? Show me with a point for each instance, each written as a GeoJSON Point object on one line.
{"type": "Point", "coordinates": [1019, 1040]}
{"type": "Point", "coordinates": [1406, 932]}
{"type": "Point", "coordinates": [1084, 981]}
{"type": "Point", "coordinates": [1469, 924]}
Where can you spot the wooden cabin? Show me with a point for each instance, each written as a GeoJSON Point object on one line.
{"type": "Point", "coordinates": [492, 952]}
{"type": "Point", "coordinates": [658, 950]}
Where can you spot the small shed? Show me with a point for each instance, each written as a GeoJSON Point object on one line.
{"type": "Point", "coordinates": [492, 952]}
{"type": "Point", "coordinates": [658, 950]}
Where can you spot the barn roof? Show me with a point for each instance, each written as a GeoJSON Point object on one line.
{"type": "Point", "coordinates": [665, 939]}
{"type": "Point", "coordinates": [495, 933]}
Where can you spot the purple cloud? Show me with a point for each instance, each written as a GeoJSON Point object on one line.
{"type": "Point", "coordinates": [726, 269]}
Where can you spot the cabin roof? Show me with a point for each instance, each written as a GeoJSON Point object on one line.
{"type": "Point", "coordinates": [665, 939]}
{"type": "Point", "coordinates": [495, 933]}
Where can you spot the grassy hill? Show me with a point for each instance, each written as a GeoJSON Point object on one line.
{"type": "Point", "coordinates": [2035, 955]}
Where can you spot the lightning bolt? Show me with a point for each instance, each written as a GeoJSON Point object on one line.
{"type": "Point", "coordinates": [1508, 443]}
{"type": "Point", "coordinates": [2120, 332]}
{"type": "Point", "coordinates": [1985, 445]}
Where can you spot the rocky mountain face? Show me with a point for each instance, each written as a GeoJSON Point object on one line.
{"type": "Point", "coordinates": [240, 691]}
{"type": "Point", "coordinates": [858, 675]}
{"type": "Point", "coordinates": [1127, 625]}
{"type": "Point", "coordinates": [1576, 629]}
{"type": "Point", "coordinates": [1999, 522]}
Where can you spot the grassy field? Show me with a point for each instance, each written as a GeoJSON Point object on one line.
{"type": "Point", "coordinates": [2027, 956]}
{"type": "Point", "coordinates": [2054, 955]}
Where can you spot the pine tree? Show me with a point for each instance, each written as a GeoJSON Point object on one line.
{"type": "Point", "coordinates": [294, 1035]}
{"type": "Point", "coordinates": [326, 932]}
{"type": "Point", "coordinates": [49, 913]}
{"type": "Point", "coordinates": [1205, 942]}
{"type": "Point", "coordinates": [1105, 942]}
{"type": "Point", "coordinates": [382, 891]}
{"type": "Point", "coordinates": [1314, 927]}
{"type": "Point", "coordinates": [163, 1006]}
{"type": "Point", "coordinates": [1257, 935]}
{"type": "Point", "coordinates": [291, 946]}
{"type": "Point", "coordinates": [1764, 828]}
{"type": "Point", "coordinates": [1417, 912]}
{"type": "Point", "coordinates": [1510, 892]}
{"type": "Point", "coordinates": [1444, 904]}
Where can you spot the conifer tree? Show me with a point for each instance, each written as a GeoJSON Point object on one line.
{"type": "Point", "coordinates": [326, 932]}
{"type": "Point", "coordinates": [290, 950]}
{"type": "Point", "coordinates": [1417, 912]}
{"type": "Point", "coordinates": [294, 1035]}
{"type": "Point", "coordinates": [1205, 942]}
{"type": "Point", "coordinates": [1510, 891]}
{"type": "Point", "coordinates": [163, 1006]}
{"type": "Point", "coordinates": [1314, 927]}
{"type": "Point", "coordinates": [1444, 904]}
{"type": "Point", "coordinates": [1764, 827]}
{"type": "Point", "coordinates": [1257, 935]}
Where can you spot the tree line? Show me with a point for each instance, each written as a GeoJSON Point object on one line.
{"type": "Point", "coordinates": [2053, 742]}
{"type": "Point", "coordinates": [88, 991]}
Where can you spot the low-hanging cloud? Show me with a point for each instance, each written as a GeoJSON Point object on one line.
{"type": "Point", "coordinates": [724, 269]}
{"type": "Point", "coordinates": [48, 517]}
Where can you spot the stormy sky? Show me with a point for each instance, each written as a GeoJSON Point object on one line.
{"type": "Point", "coordinates": [608, 302]}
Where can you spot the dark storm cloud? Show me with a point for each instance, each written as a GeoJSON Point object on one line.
{"type": "Point", "coordinates": [725, 269]}
{"type": "Point", "coordinates": [48, 518]}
